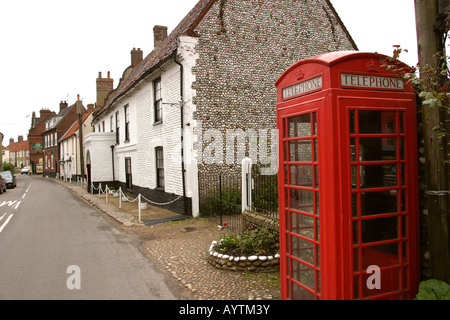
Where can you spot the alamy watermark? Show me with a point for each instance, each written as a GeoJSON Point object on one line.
{"type": "Point", "coordinates": [74, 280]}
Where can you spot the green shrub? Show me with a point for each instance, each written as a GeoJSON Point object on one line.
{"type": "Point", "coordinates": [433, 290]}
{"type": "Point", "coordinates": [262, 241]}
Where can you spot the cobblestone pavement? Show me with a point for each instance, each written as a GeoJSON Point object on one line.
{"type": "Point", "coordinates": [180, 250]}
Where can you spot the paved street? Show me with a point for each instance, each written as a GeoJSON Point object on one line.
{"type": "Point", "coordinates": [52, 243]}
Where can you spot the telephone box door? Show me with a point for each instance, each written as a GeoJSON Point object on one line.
{"type": "Point", "coordinates": [382, 231]}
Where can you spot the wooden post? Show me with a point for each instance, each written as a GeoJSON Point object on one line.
{"type": "Point", "coordinates": [429, 43]}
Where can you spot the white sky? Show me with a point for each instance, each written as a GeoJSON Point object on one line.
{"type": "Point", "coordinates": [52, 50]}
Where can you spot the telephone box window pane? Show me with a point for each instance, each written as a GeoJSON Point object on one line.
{"type": "Point", "coordinates": [301, 176]}
{"type": "Point", "coordinates": [299, 293]}
{"type": "Point", "coordinates": [300, 126]}
{"type": "Point", "coordinates": [402, 149]}
{"type": "Point", "coordinates": [355, 205]}
{"type": "Point", "coordinates": [300, 151]}
{"type": "Point", "coordinates": [402, 122]}
{"type": "Point", "coordinates": [317, 203]}
{"type": "Point", "coordinates": [390, 282]}
{"type": "Point", "coordinates": [376, 176]}
{"type": "Point", "coordinates": [353, 150]}
{"type": "Point", "coordinates": [355, 232]}
{"type": "Point", "coordinates": [381, 229]}
{"type": "Point", "coordinates": [381, 122]}
{"type": "Point", "coordinates": [302, 225]}
{"type": "Point", "coordinates": [303, 274]}
{"type": "Point", "coordinates": [377, 149]}
{"type": "Point", "coordinates": [385, 255]}
{"type": "Point", "coordinates": [403, 174]}
{"type": "Point", "coordinates": [378, 202]}
{"type": "Point", "coordinates": [302, 249]}
{"type": "Point", "coordinates": [352, 121]}
{"type": "Point", "coordinates": [355, 259]}
{"type": "Point", "coordinates": [314, 124]}
{"type": "Point", "coordinates": [302, 200]}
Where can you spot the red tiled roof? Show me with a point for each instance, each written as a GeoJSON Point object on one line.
{"type": "Point", "coordinates": [165, 49]}
{"type": "Point", "coordinates": [74, 127]}
{"type": "Point", "coordinates": [17, 146]}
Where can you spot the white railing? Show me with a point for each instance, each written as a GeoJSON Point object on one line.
{"type": "Point", "coordinates": [122, 197]}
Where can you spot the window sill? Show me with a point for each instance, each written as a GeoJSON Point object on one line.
{"type": "Point", "coordinates": [157, 122]}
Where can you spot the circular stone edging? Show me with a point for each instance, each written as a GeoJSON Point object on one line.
{"type": "Point", "coordinates": [243, 263]}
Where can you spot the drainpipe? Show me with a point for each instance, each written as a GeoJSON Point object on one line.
{"type": "Point", "coordinates": [183, 171]}
{"type": "Point", "coordinates": [112, 159]}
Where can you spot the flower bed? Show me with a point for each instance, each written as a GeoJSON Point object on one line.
{"type": "Point", "coordinates": [259, 263]}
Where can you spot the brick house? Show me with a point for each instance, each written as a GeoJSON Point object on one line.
{"type": "Point", "coordinates": [36, 139]}
{"type": "Point", "coordinates": [55, 127]}
{"type": "Point", "coordinates": [169, 118]}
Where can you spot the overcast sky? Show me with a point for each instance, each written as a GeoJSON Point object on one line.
{"type": "Point", "coordinates": [52, 50]}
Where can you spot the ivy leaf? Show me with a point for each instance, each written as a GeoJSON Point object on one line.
{"type": "Point", "coordinates": [433, 290]}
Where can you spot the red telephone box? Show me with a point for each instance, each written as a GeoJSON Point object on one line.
{"type": "Point", "coordinates": [348, 185]}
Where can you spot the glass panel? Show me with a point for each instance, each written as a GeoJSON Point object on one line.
{"type": "Point", "coordinates": [352, 121]}
{"type": "Point", "coordinates": [303, 250]}
{"type": "Point", "coordinates": [314, 124]}
{"type": "Point", "coordinates": [376, 149]}
{"type": "Point", "coordinates": [376, 176]}
{"type": "Point", "coordinates": [299, 293]}
{"type": "Point", "coordinates": [355, 205]}
{"type": "Point", "coordinates": [355, 232]}
{"type": "Point", "coordinates": [377, 122]}
{"type": "Point", "coordinates": [318, 256]}
{"type": "Point", "coordinates": [317, 230]}
{"type": "Point", "coordinates": [405, 251]}
{"type": "Point", "coordinates": [302, 225]}
{"type": "Point", "coordinates": [302, 200]}
{"type": "Point", "coordinates": [404, 226]}
{"type": "Point", "coordinates": [402, 122]}
{"type": "Point", "coordinates": [353, 150]}
{"type": "Point", "coordinates": [381, 229]}
{"type": "Point", "coordinates": [402, 149]}
{"type": "Point", "coordinates": [301, 176]}
{"type": "Point", "coordinates": [403, 174]}
{"type": "Point", "coordinates": [300, 151]}
{"type": "Point", "coordinates": [316, 156]}
{"type": "Point", "coordinates": [378, 202]}
{"type": "Point", "coordinates": [356, 289]}
{"type": "Point", "coordinates": [316, 179]}
{"type": "Point", "coordinates": [317, 203]}
{"type": "Point", "coordinates": [390, 282]}
{"type": "Point", "coordinates": [385, 255]}
{"type": "Point", "coordinates": [303, 274]}
{"type": "Point", "coordinates": [356, 259]}
{"type": "Point", "coordinates": [300, 126]}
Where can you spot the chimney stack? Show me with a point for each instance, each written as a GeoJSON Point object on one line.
{"type": "Point", "coordinates": [45, 113]}
{"type": "Point", "coordinates": [136, 57]}
{"type": "Point", "coordinates": [11, 140]}
{"type": "Point", "coordinates": [104, 87]}
{"type": "Point", "coordinates": [159, 35]}
{"type": "Point", "coordinates": [19, 138]}
{"type": "Point", "coordinates": [63, 105]}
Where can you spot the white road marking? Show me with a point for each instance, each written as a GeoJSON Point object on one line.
{"type": "Point", "coordinates": [6, 222]}
{"type": "Point", "coordinates": [3, 216]}
{"type": "Point", "coordinates": [17, 205]}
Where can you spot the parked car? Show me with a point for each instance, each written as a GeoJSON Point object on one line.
{"type": "Point", "coordinates": [2, 185]}
{"type": "Point", "coordinates": [9, 178]}
{"type": "Point", "coordinates": [25, 170]}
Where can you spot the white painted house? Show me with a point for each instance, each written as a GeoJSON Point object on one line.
{"type": "Point", "coordinates": [69, 147]}
{"type": "Point", "coordinates": [215, 71]}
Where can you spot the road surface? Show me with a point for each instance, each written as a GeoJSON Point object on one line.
{"type": "Point", "coordinates": [54, 246]}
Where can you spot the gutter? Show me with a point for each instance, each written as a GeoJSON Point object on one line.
{"type": "Point", "coordinates": [183, 171]}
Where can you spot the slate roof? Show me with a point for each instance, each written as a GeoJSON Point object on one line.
{"type": "Point", "coordinates": [164, 50]}
{"type": "Point", "coordinates": [74, 127]}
